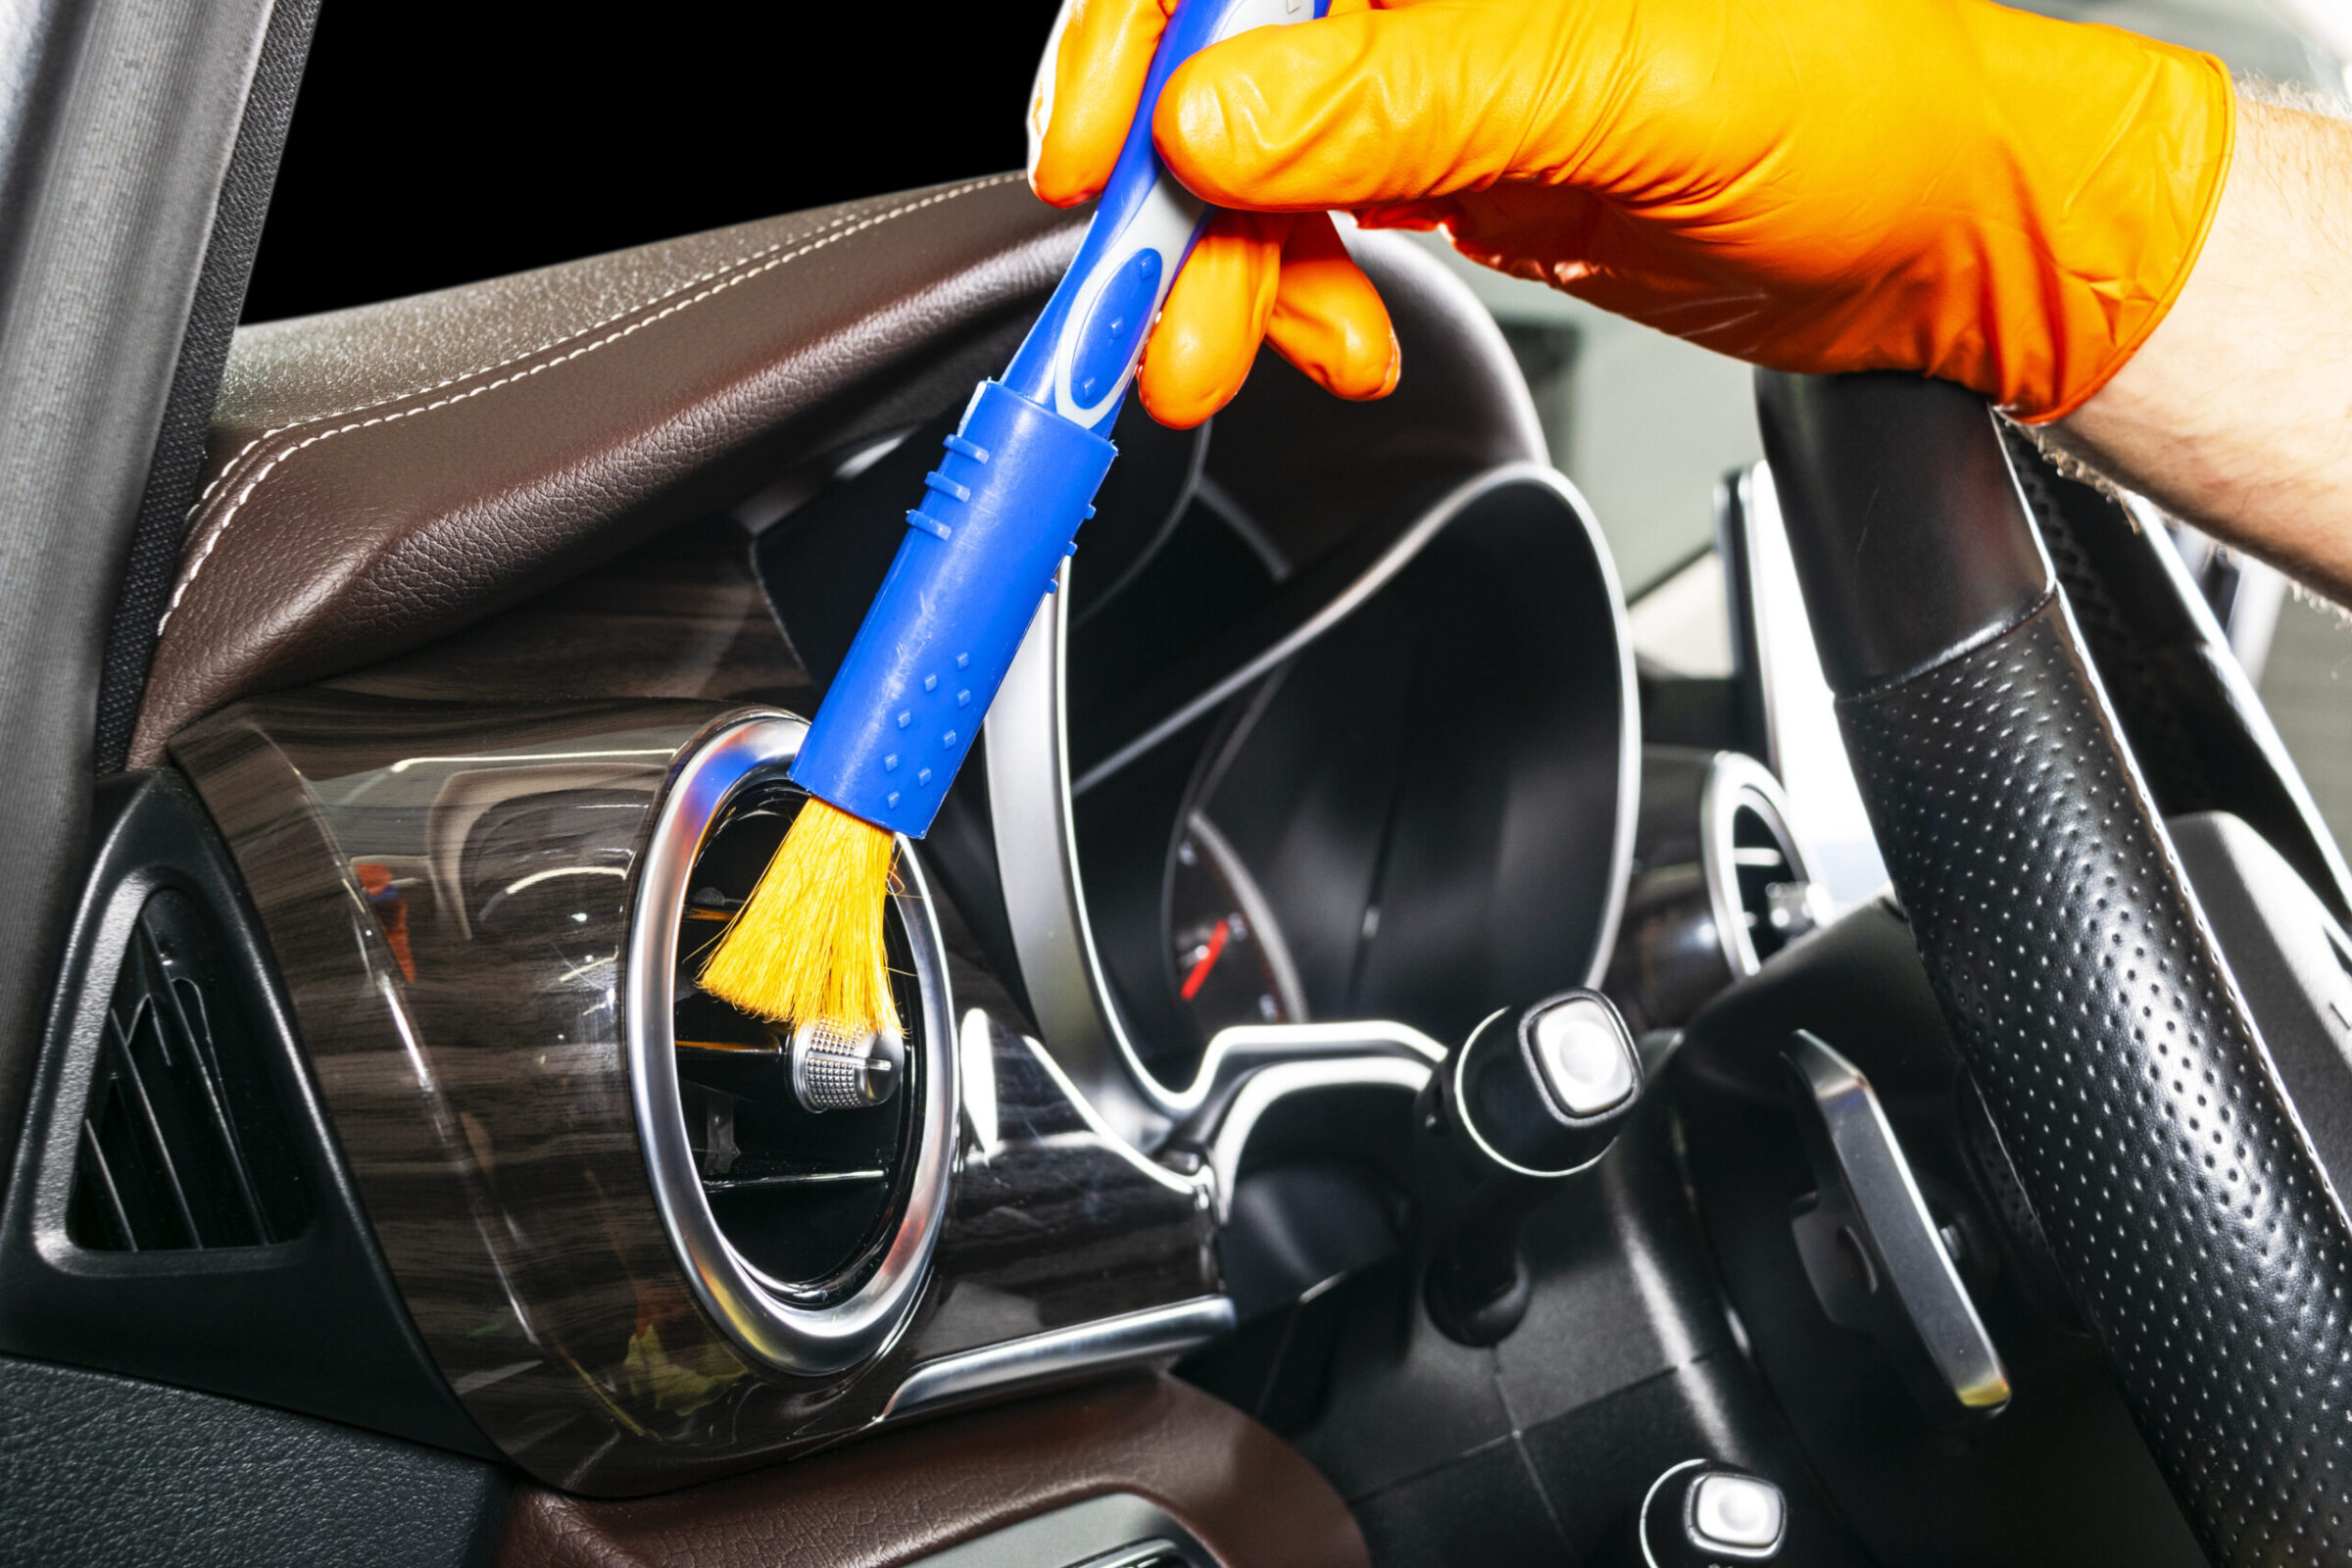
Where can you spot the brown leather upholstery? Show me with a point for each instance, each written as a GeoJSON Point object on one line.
{"type": "Point", "coordinates": [384, 475]}
{"type": "Point", "coordinates": [1248, 1497]}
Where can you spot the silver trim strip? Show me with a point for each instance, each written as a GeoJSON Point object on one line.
{"type": "Point", "coordinates": [1268, 1085]}
{"type": "Point", "coordinates": [1164, 1331]}
{"type": "Point", "coordinates": [752, 1307]}
{"type": "Point", "coordinates": [1886, 1199]}
{"type": "Point", "coordinates": [1461, 1100]}
{"type": "Point", "coordinates": [1028, 751]}
{"type": "Point", "coordinates": [1641, 1517]}
{"type": "Point", "coordinates": [1238, 1055]}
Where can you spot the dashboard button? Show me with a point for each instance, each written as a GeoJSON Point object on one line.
{"type": "Point", "coordinates": [1735, 1513]}
{"type": "Point", "coordinates": [1582, 1055]}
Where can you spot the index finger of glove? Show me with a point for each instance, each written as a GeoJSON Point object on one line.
{"type": "Point", "coordinates": [1086, 90]}
{"type": "Point", "coordinates": [1355, 110]}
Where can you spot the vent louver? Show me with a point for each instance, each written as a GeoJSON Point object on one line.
{"type": "Point", "coordinates": [181, 1146]}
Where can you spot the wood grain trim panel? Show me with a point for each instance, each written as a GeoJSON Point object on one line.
{"type": "Point", "coordinates": [467, 1041]}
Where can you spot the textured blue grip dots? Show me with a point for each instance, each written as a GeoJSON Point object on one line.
{"type": "Point", "coordinates": [1002, 511]}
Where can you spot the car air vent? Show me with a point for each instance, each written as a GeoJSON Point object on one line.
{"type": "Point", "coordinates": [182, 1144]}
{"type": "Point", "coordinates": [1721, 883]}
{"type": "Point", "coordinates": [806, 1224]}
{"type": "Point", "coordinates": [807, 1196]}
{"type": "Point", "coordinates": [1765, 883]}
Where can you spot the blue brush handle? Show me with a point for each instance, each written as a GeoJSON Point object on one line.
{"type": "Point", "coordinates": [1019, 475]}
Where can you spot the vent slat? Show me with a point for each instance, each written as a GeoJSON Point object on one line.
{"type": "Point", "coordinates": [93, 1171]}
{"type": "Point", "coordinates": [131, 1085]}
{"type": "Point", "coordinates": [200, 1066]}
{"type": "Point", "coordinates": [799, 1179]}
{"type": "Point", "coordinates": [167, 1154]}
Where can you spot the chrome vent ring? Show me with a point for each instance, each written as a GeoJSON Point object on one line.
{"type": "Point", "coordinates": [807, 1236]}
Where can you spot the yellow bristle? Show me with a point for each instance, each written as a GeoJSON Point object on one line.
{"type": "Point", "coordinates": [806, 946]}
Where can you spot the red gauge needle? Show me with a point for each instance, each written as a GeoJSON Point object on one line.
{"type": "Point", "coordinates": [1199, 976]}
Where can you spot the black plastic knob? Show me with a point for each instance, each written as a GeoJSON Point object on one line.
{"type": "Point", "coordinates": [1542, 1094]}
{"type": "Point", "coordinates": [1535, 1095]}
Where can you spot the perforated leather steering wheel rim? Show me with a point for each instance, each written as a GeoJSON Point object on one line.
{"type": "Point", "coordinates": [2180, 1195]}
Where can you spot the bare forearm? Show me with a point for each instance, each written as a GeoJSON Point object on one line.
{"type": "Point", "coordinates": [2237, 414]}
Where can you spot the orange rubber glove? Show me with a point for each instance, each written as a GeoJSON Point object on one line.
{"type": "Point", "coordinates": [1946, 186]}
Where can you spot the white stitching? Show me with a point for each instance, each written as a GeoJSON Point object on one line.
{"type": "Point", "coordinates": [230, 468]}
{"type": "Point", "coordinates": [816, 240]}
{"type": "Point", "coordinates": [578, 333]}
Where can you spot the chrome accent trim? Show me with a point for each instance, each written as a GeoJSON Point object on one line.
{"type": "Point", "coordinates": [1162, 1330]}
{"type": "Point", "coordinates": [1642, 1515]}
{"type": "Point", "coordinates": [1885, 1198]}
{"type": "Point", "coordinates": [747, 1303]}
{"type": "Point", "coordinates": [1735, 780]}
{"type": "Point", "coordinates": [1028, 753]}
{"type": "Point", "coordinates": [1266, 1086]}
{"type": "Point", "coordinates": [1461, 1099]}
{"type": "Point", "coordinates": [831, 1071]}
{"type": "Point", "coordinates": [1235, 1053]}
{"type": "Point", "coordinates": [1031, 816]}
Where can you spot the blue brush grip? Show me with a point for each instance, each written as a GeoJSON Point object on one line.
{"type": "Point", "coordinates": [1079, 357]}
{"type": "Point", "coordinates": [1002, 509]}
{"type": "Point", "coordinates": [998, 516]}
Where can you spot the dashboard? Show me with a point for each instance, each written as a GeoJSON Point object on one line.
{"type": "Point", "coordinates": [1324, 747]}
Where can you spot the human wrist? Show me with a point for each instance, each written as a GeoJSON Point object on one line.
{"type": "Point", "coordinates": [2124, 193]}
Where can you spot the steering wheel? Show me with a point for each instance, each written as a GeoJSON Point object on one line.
{"type": "Point", "coordinates": [2183, 1201]}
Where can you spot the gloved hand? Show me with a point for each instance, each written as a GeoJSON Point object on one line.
{"type": "Point", "coordinates": [1280, 278]}
{"type": "Point", "coordinates": [1946, 186]}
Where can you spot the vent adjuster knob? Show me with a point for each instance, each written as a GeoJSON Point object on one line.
{"type": "Point", "coordinates": [833, 1069]}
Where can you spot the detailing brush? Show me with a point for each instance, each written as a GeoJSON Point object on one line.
{"type": "Point", "coordinates": [982, 551]}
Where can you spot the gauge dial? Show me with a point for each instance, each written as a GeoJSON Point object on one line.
{"type": "Point", "coordinates": [1231, 965]}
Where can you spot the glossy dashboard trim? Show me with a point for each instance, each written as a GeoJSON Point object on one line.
{"type": "Point", "coordinates": [466, 1023]}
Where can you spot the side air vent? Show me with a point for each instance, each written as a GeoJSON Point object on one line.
{"type": "Point", "coordinates": [180, 1212]}
{"type": "Point", "coordinates": [806, 1231]}
{"type": "Point", "coordinates": [1758, 875]}
{"type": "Point", "coordinates": [182, 1143]}
{"type": "Point", "coordinates": [1720, 884]}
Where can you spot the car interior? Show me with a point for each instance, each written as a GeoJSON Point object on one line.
{"type": "Point", "coordinates": [1925, 954]}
